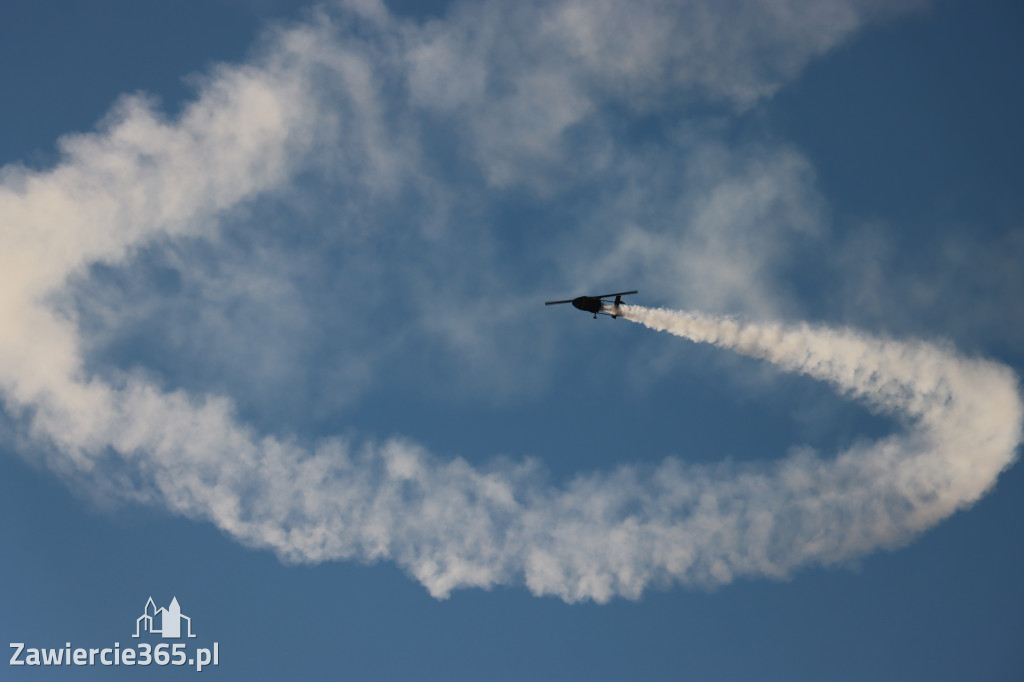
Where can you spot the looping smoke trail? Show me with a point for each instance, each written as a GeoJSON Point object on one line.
{"type": "Point", "coordinates": [963, 426]}
{"type": "Point", "coordinates": [450, 525]}
{"type": "Point", "coordinates": [605, 534]}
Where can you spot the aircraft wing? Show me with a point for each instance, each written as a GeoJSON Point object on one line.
{"type": "Point", "coordinates": [621, 293]}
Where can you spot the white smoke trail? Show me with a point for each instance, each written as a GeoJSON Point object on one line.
{"type": "Point", "coordinates": [449, 524]}
{"type": "Point", "coordinates": [963, 426]}
{"type": "Point", "coordinates": [605, 534]}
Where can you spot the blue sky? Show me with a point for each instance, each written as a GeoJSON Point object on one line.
{"type": "Point", "coordinates": [274, 342]}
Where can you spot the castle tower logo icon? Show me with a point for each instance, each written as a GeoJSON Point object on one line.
{"type": "Point", "coordinates": [164, 622]}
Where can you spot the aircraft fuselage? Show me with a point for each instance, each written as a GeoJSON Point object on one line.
{"type": "Point", "coordinates": [591, 304]}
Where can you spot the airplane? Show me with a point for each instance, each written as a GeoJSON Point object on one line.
{"type": "Point", "coordinates": [596, 304]}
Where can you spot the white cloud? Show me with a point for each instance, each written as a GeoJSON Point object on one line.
{"type": "Point", "coordinates": [706, 225]}
{"type": "Point", "coordinates": [522, 79]}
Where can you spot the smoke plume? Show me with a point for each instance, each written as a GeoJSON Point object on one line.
{"type": "Point", "coordinates": [126, 436]}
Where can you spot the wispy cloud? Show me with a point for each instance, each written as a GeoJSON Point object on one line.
{"type": "Point", "coordinates": [334, 126]}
